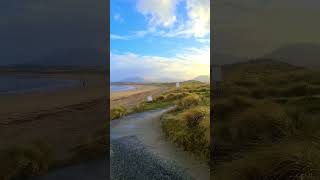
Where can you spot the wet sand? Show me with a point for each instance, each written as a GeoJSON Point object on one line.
{"type": "Point", "coordinates": [61, 118]}
{"type": "Point", "coordinates": [131, 98]}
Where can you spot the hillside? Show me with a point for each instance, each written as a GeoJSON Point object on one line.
{"type": "Point", "coordinates": [203, 78]}
{"type": "Point", "coordinates": [223, 59]}
{"type": "Point", "coordinates": [301, 54]}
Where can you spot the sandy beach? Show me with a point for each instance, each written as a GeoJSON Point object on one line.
{"type": "Point", "coordinates": [131, 98]}
{"type": "Point", "coordinates": [61, 118]}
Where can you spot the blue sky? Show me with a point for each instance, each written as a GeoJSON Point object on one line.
{"type": "Point", "coordinates": [159, 39]}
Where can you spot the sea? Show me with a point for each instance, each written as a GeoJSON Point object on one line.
{"type": "Point", "coordinates": [117, 88]}
{"type": "Point", "coordinates": [19, 84]}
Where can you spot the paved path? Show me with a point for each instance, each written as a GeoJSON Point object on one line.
{"type": "Point", "coordinates": [140, 151]}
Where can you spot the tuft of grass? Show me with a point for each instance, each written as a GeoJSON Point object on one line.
{"type": "Point", "coordinates": [189, 101]}
{"type": "Point", "coordinates": [118, 112]}
{"type": "Point", "coordinates": [24, 162]}
{"type": "Point", "coordinates": [89, 148]}
{"type": "Point", "coordinates": [189, 129]}
{"type": "Point", "coordinates": [193, 117]}
{"type": "Point", "coordinates": [291, 160]}
{"type": "Point", "coordinates": [266, 122]}
{"type": "Point", "coordinates": [139, 108]}
{"type": "Point", "coordinates": [224, 108]}
{"type": "Point", "coordinates": [300, 89]}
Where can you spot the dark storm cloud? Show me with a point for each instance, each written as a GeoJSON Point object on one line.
{"type": "Point", "coordinates": [34, 28]}
{"type": "Point", "coordinates": [254, 27]}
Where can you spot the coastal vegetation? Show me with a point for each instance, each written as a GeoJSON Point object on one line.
{"type": "Point", "coordinates": [188, 125]}
{"type": "Point", "coordinates": [266, 122]}
{"type": "Point", "coordinates": [39, 157]}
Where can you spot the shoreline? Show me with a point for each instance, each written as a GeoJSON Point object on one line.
{"type": "Point", "coordinates": [131, 98]}
{"type": "Point", "coordinates": [62, 118]}
{"type": "Point", "coordinates": [57, 84]}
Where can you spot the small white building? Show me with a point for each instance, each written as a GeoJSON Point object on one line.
{"type": "Point", "coordinates": [149, 99]}
{"type": "Point", "coordinates": [177, 85]}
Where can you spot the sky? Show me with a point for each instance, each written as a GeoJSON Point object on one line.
{"type": "Point", "coordinates": [252, 28]}
{"type": "Point", "coordinates": [33, 29]}
{"type": "Point", "coordinates": [159, 39]}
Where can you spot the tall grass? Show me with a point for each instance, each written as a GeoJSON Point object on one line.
{"type": "Point", "coordinates": [23, 162]}
{"type": "Point", "coordinates": [118, 112]}
{"type": "Point", "coordinates": [189, 125]}
{"type": "Point", "coordinates": [266, 122]}
{"type": "Point", "coordinates": [283, 161]}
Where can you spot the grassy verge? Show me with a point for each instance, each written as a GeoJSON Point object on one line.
{"type": "Point", "coordinates": [188, 126]}
{"type": "Point", "coordinates": [270, 129]}
{"type": "Point", "coordinates": [39, 157]}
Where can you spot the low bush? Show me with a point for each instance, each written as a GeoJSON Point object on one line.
{"type": "Point", "coordinates": [194, 116]}
{"type": "Point", "coordinates": [118, 112]}
{"type": "Point", "coordinates": [160, 98]}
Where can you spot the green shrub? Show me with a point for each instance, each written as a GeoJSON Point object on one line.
{"type": "Point", "coordinates": [160, 98]}
{"type": "Point", "coordinates": [189, 101]}
{"type": "Point", "coordinates": [194, 116]}
{"type": "Point", "coordinates": [118, 112]}
{"type": "Point", "coordinates": [266, 122]}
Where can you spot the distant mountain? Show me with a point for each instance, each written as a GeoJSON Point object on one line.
{"type": "Point", "coordinates": [133, 80]}
{"type": "Point", "coordinates": [138, 79]}
{"type": "Point", "coordinates": [259, 66]}
{"type": "Point", "coordinates": [203, 78]}
{"type": "Point", "coordinates": [302, 54]}
{"type": "Point", "coordinates": [223, 59]}
{"type": "Point", "coordinates": [77, 57]}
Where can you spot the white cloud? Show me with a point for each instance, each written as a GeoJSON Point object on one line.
{"type": "Point", "coordinates": [162, 15]}
{"type": "Point", "coordinates": [185, 65]}
{"type": "Point", "coordinates": [118, 17]}
{"type": "Point", "coordinates": [199, 14]}
{"type": "Point", "coordinates": [119, 37]}
{"type": "Point", "coordinates": [158, 12]}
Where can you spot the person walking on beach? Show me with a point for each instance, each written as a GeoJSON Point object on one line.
{"type": "Point", "coordinates": [84, 83]}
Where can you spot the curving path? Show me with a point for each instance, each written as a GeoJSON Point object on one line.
{"type": "Point", "coordinates": [140, 151]}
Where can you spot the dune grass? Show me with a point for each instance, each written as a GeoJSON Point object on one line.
{"type": "Point", "coordinates": [39, 157]}
{"type": "Point", "coordinates": [188, 126]}
{"type": "Point", "coordinates": [270, 129]}
{"type": "Point", "coordinates": [118, 112]}
{"type": "Point", "coordinates": [21, 162]}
